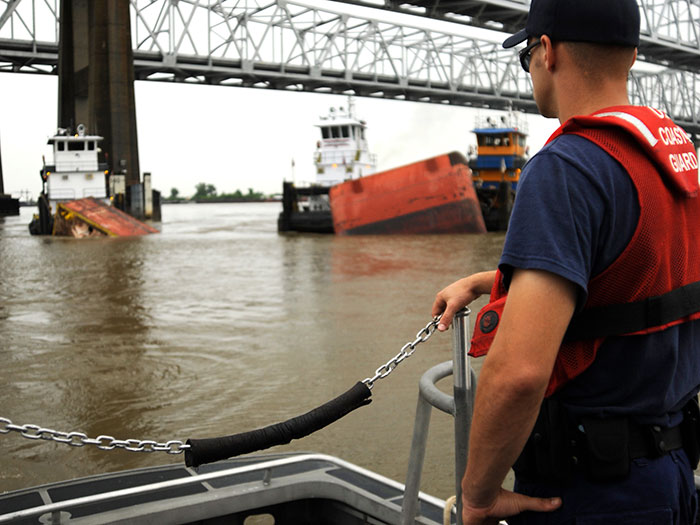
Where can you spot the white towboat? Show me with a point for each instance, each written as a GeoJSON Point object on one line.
{"type": "Point", "coordinates": [76, 174]}
{"type": "Point", "coordinates": [342, 153]}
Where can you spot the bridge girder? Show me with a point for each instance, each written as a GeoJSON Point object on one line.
{"type": "Point", "coordinates": [290, 45]}
{"type": "Point", "coordinates": [670, 29]}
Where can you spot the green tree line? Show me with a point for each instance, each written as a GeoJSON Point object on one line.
{"type": "Point", "coordinates": [207, 192]}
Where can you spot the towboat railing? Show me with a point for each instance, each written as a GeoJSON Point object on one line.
{"type": "Point", "coordinates": [345, 156]}
{"type": "Point", "coordinates": [459, 405]}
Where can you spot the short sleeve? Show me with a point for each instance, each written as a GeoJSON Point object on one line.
{"type": "Point", "coordinates": [575, 211]}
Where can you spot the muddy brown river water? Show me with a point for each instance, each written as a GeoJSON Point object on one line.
{"type": "Point", "coordinates": [215, 326]}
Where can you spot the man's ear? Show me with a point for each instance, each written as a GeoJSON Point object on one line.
{"type": "Point", "coordinates": [549, 54]}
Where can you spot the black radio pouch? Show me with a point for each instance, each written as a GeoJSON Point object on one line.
{"type": "Point", "coordinates": [607, 456]}
{"type": "Point", "coordinates": [690, 429]}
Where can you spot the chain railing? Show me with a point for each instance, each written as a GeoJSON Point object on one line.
{"type": "Point", "coordinates": [79, 439]}
{"type": "Point", "coordinates": [406, 351]}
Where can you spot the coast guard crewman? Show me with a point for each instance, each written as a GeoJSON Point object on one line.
{"type": "Point", "coordinates": [589, 389]}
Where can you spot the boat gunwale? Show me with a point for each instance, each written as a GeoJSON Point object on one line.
{"type": "Point", "coordinates": [200, 478]}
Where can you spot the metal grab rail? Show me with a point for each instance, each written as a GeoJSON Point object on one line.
{"type": "Point", "coordinates": [460, 405]}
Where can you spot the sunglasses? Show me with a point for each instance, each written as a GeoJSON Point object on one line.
{"type": "Point", "coordinates": [526, 54]}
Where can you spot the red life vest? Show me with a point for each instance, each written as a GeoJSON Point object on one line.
{"type": "Point", "coordinates": [663, 254]}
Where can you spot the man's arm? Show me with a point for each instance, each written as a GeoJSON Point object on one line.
{"type": "Point", "coordinates": [511, 386]}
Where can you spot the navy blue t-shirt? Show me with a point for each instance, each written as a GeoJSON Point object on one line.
{"type": "Point", "coordinates": [575, 212]}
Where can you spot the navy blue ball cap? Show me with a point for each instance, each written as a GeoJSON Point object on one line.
{"type": "Point", "coordinates": [595, 21]}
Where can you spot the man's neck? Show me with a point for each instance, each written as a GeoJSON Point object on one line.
{"type": "Point", "coordinates": [578, 97]}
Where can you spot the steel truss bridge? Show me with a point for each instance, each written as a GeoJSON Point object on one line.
{"type": "Point", "coordinates": [437, 51]}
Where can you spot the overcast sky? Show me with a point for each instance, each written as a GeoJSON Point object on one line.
{"type": "Point", "coordinates": [232, 137]}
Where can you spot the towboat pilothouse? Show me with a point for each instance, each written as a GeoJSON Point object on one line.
{"type": "Point", "coordinates": [342, 153]}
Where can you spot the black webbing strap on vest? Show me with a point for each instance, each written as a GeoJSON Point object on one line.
{"type": "Point", "coordinates": [214, 449]}
{"type": "Point", "coordinates": [618, 319]}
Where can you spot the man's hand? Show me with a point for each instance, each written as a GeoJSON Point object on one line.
{"type": "Point", "coordinates": [459, 294]}
{"type": "Point", "coordinates": [506, 504]}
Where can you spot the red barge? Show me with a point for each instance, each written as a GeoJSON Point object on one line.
{"type": "Point", "coordinates": [435, 195]}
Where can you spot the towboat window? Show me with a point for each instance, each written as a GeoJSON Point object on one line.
{"type": "Point", "coordinates": [494, 140]}
{"type": "Point", "coordinates": [521, 140]}
{"type": "Point", "coordinates": [345, 131]}
{"type": "Point", "coordinates": [326, 133]}
{"type": "Point", "coordinates": [335, 132]}
{"type": "Point", "coordinates": [91, 145]}
{"type": "Point", "coordinates": [60, 145]}
{"type": "Point", "coordinates": [76, 146]}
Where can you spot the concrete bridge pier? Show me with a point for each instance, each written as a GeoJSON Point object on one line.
{"type": "Point", "coordinates": [96, 85]}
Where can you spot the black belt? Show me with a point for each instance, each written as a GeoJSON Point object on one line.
{"type": "Point", "coordinates": [653, 441]}
{"type": "Point", "coordinates": [560, 446]}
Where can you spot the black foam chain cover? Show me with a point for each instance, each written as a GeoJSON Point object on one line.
{"type": "Point", "coordinates": [215, 449]}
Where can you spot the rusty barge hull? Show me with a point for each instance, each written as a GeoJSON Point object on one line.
{"type": "Point", "coordinates": [90, 217]}
{"type": "Point", "coordinates": [435, 195]}
{"type": "Point", "coordinates": [449, 218]}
